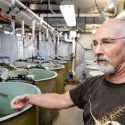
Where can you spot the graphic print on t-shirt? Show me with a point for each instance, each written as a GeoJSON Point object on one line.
{"type": "Point", "coordinates": [110, 118]}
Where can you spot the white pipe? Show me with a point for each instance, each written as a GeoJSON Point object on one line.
{"type": "Point", "coordinates": [57, 40]}
{"type": "Point", "coordinates": [31, 12]}
{"type": "Point", "coordinates": [33, 28]}
{"type": "Point", "coordinates": [37, 17]}
{"type": "Point", "coordinates": [13, 26]}
{"type": "Point", "coordinates": [54, 38]}
{"type": "Point", "coordinates": [45, 25]}
{"type": "Point", "coordinates": [43, 37]}
{"type": "Point", "coordinates": [73, 52]}
{"type": "Point", "coordinates": [47, 34]}
{"type": "Point", "coordinates": [73, 46]}
{"type": "Point", "coordinates": [80, 15]}
{"type": "Point", "coordinates": [40, 36]}
{"type": "Point", "coordinates": [23, 28]}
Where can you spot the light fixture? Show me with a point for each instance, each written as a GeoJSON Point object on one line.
{"type": "Point", "coordinates": [68, 12]}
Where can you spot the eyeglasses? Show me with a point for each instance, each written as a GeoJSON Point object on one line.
{"type": "Point", "coordinates": [105, 42]}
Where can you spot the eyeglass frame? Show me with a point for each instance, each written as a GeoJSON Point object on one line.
{"type": "Point", "coordinates": [103, 44]}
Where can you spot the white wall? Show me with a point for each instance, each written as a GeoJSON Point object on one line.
{"type": "Point", "coordinates": [84, 42]}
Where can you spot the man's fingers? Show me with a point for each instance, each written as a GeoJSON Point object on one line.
{"type": "Point", "coordinates": [19, 102]}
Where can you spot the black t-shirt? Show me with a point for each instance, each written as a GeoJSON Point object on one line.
{"type": "Point", "coordinates": [102, 101]}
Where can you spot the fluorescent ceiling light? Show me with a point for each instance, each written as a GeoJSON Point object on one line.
{"type": "Point", "coordinates": [68, 12]}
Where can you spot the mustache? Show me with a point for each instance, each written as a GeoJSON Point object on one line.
{"type": "Point", "coordinates": [102, 58]}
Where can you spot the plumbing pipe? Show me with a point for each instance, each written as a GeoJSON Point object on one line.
{"type": "Point", "coordinates": [37, 17]}
{"type": "Point", "coordinates": [42, 22]}
{"type": "Point", "coordinates": [12, 25]}
{"type": "Point", "coordinates": [33, 28]}
{"type": "Point", "coordinates": [40, 36]}
{"type": "Point", "coordinates": [23, 28]}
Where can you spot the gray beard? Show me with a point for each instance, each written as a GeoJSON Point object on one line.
{"type": "Point", "coordinates": [106, 69]}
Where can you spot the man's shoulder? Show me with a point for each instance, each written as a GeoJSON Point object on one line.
{"type": "Point", "coordinates": [92, 81]}
{"type": "Point", "coordinates": [95, 78]}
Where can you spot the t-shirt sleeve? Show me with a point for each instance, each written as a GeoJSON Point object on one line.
{"type": "Point", "coordinates": [76, 95]}
{"type": "Point", "coordinates": [81, 94]}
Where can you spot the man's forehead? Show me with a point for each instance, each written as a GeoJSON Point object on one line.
{"type": "Point", "coordinates": [112, 24]}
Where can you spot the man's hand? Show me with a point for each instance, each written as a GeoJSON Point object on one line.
{"type": "Point", "coordinates": [19, 102]}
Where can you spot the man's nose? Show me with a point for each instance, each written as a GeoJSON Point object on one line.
{"type": "Point", "coordinates": [98, 49]}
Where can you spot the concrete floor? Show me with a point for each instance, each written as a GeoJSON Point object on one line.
{"type": "Point", "coordinates": [71, 116]}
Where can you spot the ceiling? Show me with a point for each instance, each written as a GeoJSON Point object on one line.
{"type": "Point", "coordinates": [88, 12]}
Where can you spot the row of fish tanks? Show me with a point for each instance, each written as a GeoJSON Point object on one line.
{"type": "Point", "coordinates": [33, 75]}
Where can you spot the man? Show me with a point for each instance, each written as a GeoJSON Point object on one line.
{"type": "Point", "coordinates": [101, 97]}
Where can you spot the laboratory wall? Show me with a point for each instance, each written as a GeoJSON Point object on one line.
{"type": "Point", "coordinates": [83, 52]}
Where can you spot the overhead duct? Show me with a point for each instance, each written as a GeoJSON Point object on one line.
{"type": "Point", "coordinates": [43, 7]}
{"type": "Point", "coordinates": [110, 10]}
{"type": "Point", "coordinates": [80, 15]}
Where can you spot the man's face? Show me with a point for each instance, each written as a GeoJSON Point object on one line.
{"type": "Point", "coordinates": [109, 51]}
